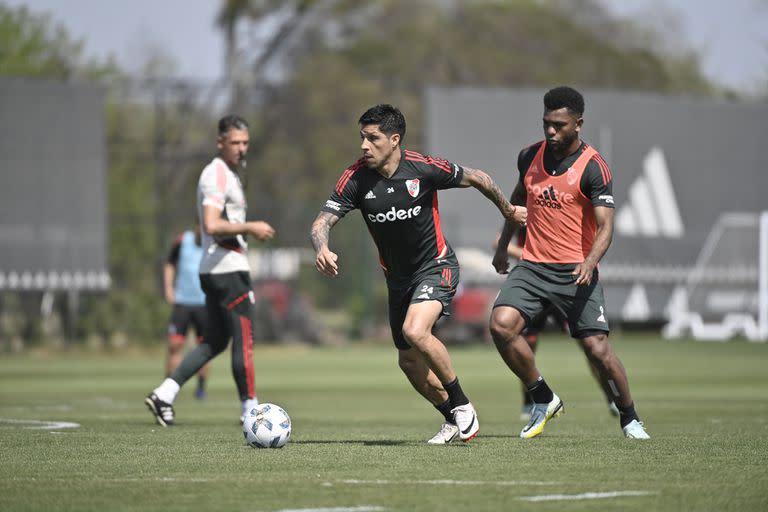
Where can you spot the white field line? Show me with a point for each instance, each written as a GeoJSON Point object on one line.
{"type": "Point", "coordinates": [445, 482]}
{"type": "Point", "coordinates": [364, 508]}
{"type": "Point", "coordinates": [39, 424]}
{"type": "Point", "coordinates": [118, 480]}
{"type": "Point", "coordinates": [586, 496]}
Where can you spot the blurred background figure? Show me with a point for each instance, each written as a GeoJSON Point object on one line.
{"type": "Point", "coordinates": [224, 273]}
{"type": "Point", "coordinates": [181, 284]}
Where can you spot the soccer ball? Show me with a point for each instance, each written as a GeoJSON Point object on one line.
{"type": "Point", "coordinates": [267, 426]}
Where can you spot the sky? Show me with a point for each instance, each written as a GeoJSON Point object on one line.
{"type": "Point", "coordinates": [731, 36]}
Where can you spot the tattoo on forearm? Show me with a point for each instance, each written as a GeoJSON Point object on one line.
{"type": "Point", "coordinates": [489, 188]}
{"type": "Point", "coordinates": [321, 229]}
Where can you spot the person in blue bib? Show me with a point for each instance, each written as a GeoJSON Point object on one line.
{"type": "Point", "coordinates": [181, 284]}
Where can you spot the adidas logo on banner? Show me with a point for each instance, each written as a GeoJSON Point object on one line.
{"type": "Point", "coordinates": [651, 208]}
{"type": "Point", "coordinates": [370, 195]}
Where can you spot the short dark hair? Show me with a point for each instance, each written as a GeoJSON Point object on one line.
{"type": "Point", "coordinates": [231, 122]}
{"type": "Point", "coordinates": [564, 97]}
{"type": "Point", "coordinates": [389, 119]}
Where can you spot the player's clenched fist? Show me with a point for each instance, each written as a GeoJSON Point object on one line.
{"type": "Point", "coordinates": [326, 262]}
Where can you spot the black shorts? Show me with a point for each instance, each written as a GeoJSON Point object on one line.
{"type": "Point", "coordinates": [532, 288]}
{"type": "Point", "coordinates": [184, 316]}
{"type": "Point", "coordinates": [231, 307]}
{"type": "Point", "coordinates": [438, 284]}
{"type": "Point", "coordinates": [230, 301]}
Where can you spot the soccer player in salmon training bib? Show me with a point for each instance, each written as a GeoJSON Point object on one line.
{"type": "Point", "coordinates": [396, 192]}
{"type": "Point", "coordinates": [568, 190]}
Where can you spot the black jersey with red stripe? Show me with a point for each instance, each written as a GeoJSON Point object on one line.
{"type": "Point", "coordinates": [596, 182]}
{"type": "Point", "coordinates": [401, 211]}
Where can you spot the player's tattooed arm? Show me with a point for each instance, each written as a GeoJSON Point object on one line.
{"type": "Point", "coordinates": [321, 229]}
{"type": "Point", "coordinates": [485, 184]}
{"type": "Point", "coordinates": [325, 262]}
{"type": "Point", "coordinates": [501, 256]}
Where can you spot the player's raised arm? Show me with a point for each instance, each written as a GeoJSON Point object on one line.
{"type": "Point", "coordinates": [485, 184]}
{"type": "Point", "coordinates": [325, 261]}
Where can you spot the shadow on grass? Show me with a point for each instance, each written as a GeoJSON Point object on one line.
{"type": "Point", "coordinates": [380, 442]}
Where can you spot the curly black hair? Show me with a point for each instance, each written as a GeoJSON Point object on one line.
{"type": "Point", "coordinates": [564, 97]}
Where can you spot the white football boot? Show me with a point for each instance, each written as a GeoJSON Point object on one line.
{"type": "Point", "coordinates": [446, 434]}
{"type": "Point", "coordinates": [466, 419]}
{"type": "Point", "coordinates": [635, 430]}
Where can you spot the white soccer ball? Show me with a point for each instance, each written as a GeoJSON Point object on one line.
{"type": "Point", "coordinates": [267, 426]}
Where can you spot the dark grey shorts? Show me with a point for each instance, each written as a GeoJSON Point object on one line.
{"type": "Point", "coordinates": [531, 288]}
{"type": "Point", "coordinates": [184, 317]}
{"type": "Point", "coordinates": [440, 285]}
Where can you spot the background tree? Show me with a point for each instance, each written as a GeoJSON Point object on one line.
{"type": "Point", "coordinates": [33, 45]}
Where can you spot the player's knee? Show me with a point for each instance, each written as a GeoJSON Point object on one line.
{"type": "Point", "coordinates": [216, 345]}
{"type": "Point", "coordinates": [505, 324]}
{"type": "Point", "coordinates": [415, 334]}
{"type": "Point", "coordinates": [597, 347]}
{"type": "Point", "coordinates": [176, 343]}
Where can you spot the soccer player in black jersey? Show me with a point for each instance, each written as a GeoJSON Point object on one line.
{"type": "Point", "coordinates": [396, 192]}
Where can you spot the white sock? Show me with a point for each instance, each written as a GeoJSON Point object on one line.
{"type": "Point", "coordinates": [249, 404]}
{"type": "Point", "coordinates": [168, 390]}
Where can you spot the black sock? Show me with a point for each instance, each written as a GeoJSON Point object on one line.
{"type": "Point", "coordinates": [455, 393]}
{"type": "Point", "coordinates": [445, 410]}
{"type": "Point", "coordinates": [540, 392]}
{"type": "Point", "coordinates": [200, 382]}
{"type": "Point", "coordinates": [527, 399]}
{"type": "Point", "coordinates": [627, 414]}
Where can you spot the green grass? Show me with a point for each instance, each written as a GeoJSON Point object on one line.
{"type": "Point", "coordinates": [359, 431]}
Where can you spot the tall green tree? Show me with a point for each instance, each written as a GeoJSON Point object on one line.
{"type": "Point", "coordinates": [33, 45]}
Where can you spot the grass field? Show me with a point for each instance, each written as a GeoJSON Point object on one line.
{"type": "Point", "coordinates": [359, 431]}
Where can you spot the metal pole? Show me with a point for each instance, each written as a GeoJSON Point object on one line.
{"type": "Point", "coordinates": [762, 276]}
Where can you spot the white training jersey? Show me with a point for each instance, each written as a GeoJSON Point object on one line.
{"type": "Point", "coordinates": [221, 188]}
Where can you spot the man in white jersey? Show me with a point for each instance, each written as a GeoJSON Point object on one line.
{"type": "Point", "coordinates": [224, 273]}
